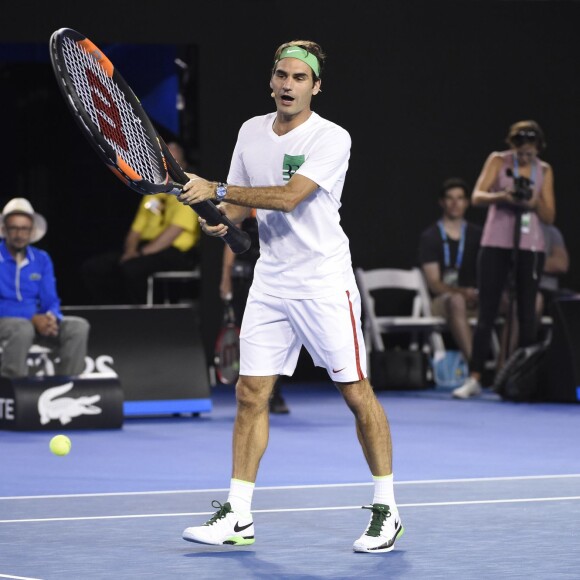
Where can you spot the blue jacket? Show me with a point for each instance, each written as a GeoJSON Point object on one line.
{"type": "Point", "coordinates": [29, 289]}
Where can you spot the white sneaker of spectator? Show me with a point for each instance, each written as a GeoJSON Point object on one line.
{"type": "Point", "coordinates": [470, 388]}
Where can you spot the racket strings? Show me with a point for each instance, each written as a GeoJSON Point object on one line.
{"type": "Point", "coordinates": [111, 113]}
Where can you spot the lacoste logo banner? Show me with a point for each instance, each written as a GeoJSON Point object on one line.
{"type": "Point", "coordinates": [64, 409]}
{"type": "Point", "coordinates": [40, 403]}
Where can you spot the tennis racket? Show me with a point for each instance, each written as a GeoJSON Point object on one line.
{"type": "Point", "coordinates": [227, 348]}
{"type": "Point", "coordinates": [113, 120]}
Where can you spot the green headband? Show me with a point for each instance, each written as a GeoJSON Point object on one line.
{"type": "Point", "coordinates": [302, 54]}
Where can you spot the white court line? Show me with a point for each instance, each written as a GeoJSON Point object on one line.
{"type": "Point", "coordinates": [285, 487]}
{"type": "Point", "coordinates": [284, 510]}
{"type": "Point", "coordinates": [18, 577]}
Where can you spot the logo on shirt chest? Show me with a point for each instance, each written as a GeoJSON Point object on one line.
{"type": "Point", "coordinates": [35, 277]}
{"type": "Point", "coordinates": [291, 164]}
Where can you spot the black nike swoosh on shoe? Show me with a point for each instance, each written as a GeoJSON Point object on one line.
{"type": "Point", "coordinates": [390, 543]}
{"type": "Point", "coordinates": [240, 528]}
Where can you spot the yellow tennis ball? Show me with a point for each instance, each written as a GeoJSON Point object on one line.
{"type": "Point", "coordinates": [60, 445]}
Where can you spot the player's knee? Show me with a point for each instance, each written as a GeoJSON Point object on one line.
{"type": "Point", "coordinates": [357, 396]}
{"type": "Point", "coordinates": [252, 394]}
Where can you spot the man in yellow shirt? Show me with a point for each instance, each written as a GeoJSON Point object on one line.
{"type": "Point", "coordinates": [163, 236]}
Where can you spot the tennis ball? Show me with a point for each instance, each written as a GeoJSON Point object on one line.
{"type": "Point", "coordinates": [60, 445]}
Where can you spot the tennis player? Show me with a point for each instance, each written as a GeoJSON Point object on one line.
{"type": "Point", "coordinates": [291, 166]}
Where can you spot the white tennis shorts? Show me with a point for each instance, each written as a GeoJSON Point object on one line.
{"type": "Point", "coordinates": [274, 329]}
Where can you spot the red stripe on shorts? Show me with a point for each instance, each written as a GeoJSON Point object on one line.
{"type": "Point", "coordinates": [355, 339]}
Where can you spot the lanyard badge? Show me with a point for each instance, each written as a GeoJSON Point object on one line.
{"type": "Point", "coordinates": [451, 273]}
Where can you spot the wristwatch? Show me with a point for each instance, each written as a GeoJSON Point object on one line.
{"type": "Point", "coordinates": [221, 190]}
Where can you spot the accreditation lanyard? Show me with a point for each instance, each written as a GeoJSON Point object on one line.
{"type": "Point", "coordinates": [447, 252]}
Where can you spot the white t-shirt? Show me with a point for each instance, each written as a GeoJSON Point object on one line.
{"type": "Point", "coordinates": [304, 253]}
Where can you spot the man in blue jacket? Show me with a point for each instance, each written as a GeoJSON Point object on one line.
{"type": "Point", "coordinates": [29, 303]}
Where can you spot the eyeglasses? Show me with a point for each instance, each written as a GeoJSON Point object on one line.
{"type": "Point", "coordinates": [16, 229]}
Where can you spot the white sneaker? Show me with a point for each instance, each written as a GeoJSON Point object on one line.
{"type": "Point", "coordinates": [470, 388]}
{"type": "Point", "coordinates": [224, 527]}
{"type": "Point", "coordinates": [383, 529]}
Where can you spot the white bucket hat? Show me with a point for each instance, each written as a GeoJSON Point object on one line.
{"type": "Point", "coordinates": [20, 205]}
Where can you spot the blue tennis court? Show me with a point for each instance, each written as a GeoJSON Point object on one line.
{"type": "Point", "coordinates": [485, 489]}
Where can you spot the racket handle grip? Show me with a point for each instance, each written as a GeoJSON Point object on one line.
{"type": "Point", "coordinates": [238, 240]}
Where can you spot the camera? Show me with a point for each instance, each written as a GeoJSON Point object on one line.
{"type": "Point", "coordinates": [522, 187]}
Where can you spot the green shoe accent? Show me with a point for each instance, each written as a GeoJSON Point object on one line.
{"type": "Point", "coordinates": [240, 541]}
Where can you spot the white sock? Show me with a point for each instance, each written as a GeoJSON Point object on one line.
{"type": "Point", "coordinates": [240, 496]}
{"type": "Point", "coordinates": [384, 490]}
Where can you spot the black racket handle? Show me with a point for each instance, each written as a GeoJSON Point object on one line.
{"type": "Point", "coordinates": [238, 240]}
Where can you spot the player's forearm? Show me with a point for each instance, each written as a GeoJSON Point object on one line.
{"type": "Point", "coordinates": [279, 198]}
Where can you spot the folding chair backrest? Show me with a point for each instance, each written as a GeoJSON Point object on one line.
{"type": "Point", "coordinates": [370, 281]}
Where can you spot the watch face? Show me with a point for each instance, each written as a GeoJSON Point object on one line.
{"type": "Point", "coordinates": [221, 191]}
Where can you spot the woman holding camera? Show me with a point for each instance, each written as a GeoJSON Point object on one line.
{"type": "Point", "coordinates": [518, 188]}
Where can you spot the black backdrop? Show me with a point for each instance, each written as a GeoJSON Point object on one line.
{"type": "Point", "coordinates": [426, 89]}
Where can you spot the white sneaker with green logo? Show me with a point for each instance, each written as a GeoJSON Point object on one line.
{"type": "Point", "coordinates": [224, 527]}
{"type": "Point", "coordinates": [383, 530]}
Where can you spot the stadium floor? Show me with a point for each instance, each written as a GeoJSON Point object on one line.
{"type": "Point", "coordinates": [485, 489]}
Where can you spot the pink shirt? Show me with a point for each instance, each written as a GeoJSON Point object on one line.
{"type": "Point", "coordinates": [498, 231]}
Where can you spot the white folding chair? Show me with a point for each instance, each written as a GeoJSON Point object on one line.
{"type": "Point", "coordinates": [167, 278]}
{"type": "Point", "coordinates": [418, 322]}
